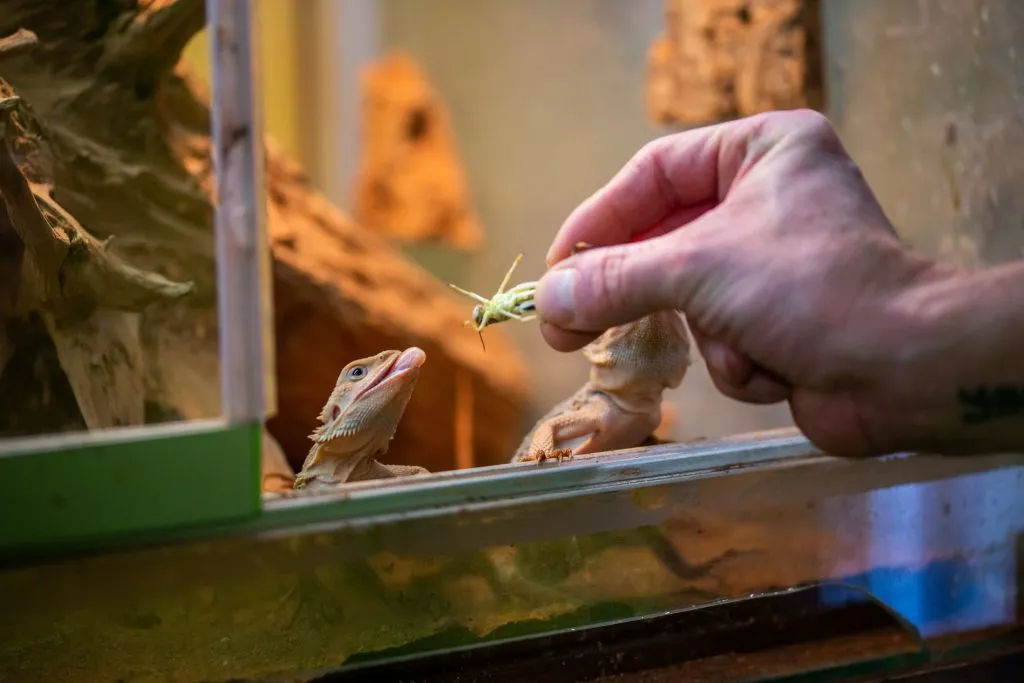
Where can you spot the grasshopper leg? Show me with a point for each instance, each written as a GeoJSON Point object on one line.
{"type": "Point", "coordinates": [471, 295]}
{"type": "Point", "coordinates": [510, 314]}
{"type": "Point", "coordinates": [508, 276]}
{"type": "Point", "coordinates": [515, 315]}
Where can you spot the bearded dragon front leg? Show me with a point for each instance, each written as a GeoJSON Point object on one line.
{"type": "Point", "coordinates": [620, 406]}
{"type": "Point", "coordinates": [563, 427]}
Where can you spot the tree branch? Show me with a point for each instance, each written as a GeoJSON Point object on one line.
{"type": "Point", "coordinates": [148, 43]}
{"type": "Point", "coordinates": [77, 272]}
{"type": "Point", "coordinates": [19, 42]}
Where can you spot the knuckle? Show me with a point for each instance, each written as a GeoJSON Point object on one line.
{"type": "Point", "coordinates": [654, 148]}
{"type": "Point", "coordinates": [649, 157]}
{"type": "Point", "coordinates": [815, 126]}
{"type": "Point", "coordinates": [810, 117]}
{"type": "Point", "coordinates": [697, 265]}
{"type": "Point", "coordinates": [807, 123]}
{"type": "Point", "coordinates": [722, 382]}
{"type": "Point", "coordinates": [648, 151]}
{"type": "Point", "coordinates": [609, 288]}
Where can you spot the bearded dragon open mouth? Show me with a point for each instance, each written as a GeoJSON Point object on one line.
{"type": "Point", "coordinates": [359, 420]}
{"type": "Point", "coordinates": [407, 361]}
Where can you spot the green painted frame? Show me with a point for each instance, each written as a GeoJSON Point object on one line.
{"type": "Point", "coordinates": [92, 489]}
{"type": "Point", "coordinates": [136, 485]}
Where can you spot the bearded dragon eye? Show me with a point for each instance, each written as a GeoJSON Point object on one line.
{"type": "Point", "coordinates": [358, 372]}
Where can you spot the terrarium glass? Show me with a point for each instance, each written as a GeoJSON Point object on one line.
{"type": "Point", "coordinates": [485, 551]}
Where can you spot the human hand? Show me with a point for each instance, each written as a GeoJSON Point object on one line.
{"type": "Point", "coordinates": [765, 234]}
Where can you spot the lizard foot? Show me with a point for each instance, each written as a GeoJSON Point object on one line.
{"type": "Point", "coordinates": [553, 454]}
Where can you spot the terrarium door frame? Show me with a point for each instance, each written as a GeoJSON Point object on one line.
{"type": "Point", "coordinates": [88, 488]}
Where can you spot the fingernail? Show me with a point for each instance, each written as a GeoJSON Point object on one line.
{"type": "Point", "coordinates": [556, 296]}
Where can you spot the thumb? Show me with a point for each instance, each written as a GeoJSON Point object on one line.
{"type": "Point", "coordinates": [607, 286]}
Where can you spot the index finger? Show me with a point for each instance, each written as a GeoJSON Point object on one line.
{"type": "Point", "coordinates": [673, 177]}
{"type": "Point", "coordinates": [671, 181]}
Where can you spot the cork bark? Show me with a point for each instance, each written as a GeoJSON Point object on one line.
{"type": "Point", "coordinates": [410, 184]}
{"type": "Point", "coordinates": [108, 308]}
{"type": "Point", "coordinates": [723, 59]}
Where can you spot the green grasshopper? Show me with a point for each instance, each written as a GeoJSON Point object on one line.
{"type": "Point", "coordinates": [515, 304]}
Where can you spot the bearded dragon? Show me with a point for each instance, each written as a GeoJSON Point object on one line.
{"type": "Point", "coordinates": [359, 420]}
{"type": "Point", "coordinates": [620, 406]}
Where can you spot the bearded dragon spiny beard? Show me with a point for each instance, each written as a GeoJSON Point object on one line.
{"type": "Point", "coordinates": [359, 420]}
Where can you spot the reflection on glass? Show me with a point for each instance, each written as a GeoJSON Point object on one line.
{"type": "Point", "coordinates": [278, 603]}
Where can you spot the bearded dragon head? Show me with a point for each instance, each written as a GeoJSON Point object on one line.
{"type": "Point", "coordinates": [647, 355]}
{"type": "Point", "coordinates": [371, 393]}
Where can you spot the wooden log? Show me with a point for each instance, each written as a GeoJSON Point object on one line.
{"type": "Point", "coordinates": [342, 292]}
{"type": "Point", "coordinates": [276, 473]}
{"type": "Point", "coordinates": [117, 144]}
{"type": "Point", "coordinates": [87, 299]}
{"type": "Point", "coordinates": [722, 59]}
{"type": "Point", "coordinates": [410, 185]}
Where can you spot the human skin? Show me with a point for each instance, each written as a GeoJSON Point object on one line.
{"type": "Point", "coordinates": [797, 288]}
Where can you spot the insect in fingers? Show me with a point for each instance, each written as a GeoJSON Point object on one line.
{"type": "Point", "coordinates": [515, 304]}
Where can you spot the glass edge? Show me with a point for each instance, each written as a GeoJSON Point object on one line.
{"type": "Point", "coordinates": [500, 484]}
{"type": "Point", "coordinates": [242, 510]}
{"type": "Point", "coordinates": [501, 488]}
{"type": "Point", "coordinates": [239, 508]}
{"type": "Point", "coordinates": [115, 437]}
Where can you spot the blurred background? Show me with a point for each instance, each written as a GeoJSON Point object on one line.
{"type": "Point", "coordinates": [547, 102]}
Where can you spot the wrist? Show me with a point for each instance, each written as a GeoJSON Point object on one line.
{"type": "Point", "coordinates": [953, 380]}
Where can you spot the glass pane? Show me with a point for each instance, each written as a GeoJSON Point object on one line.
{"type": "Point", "coordinates": [109, 288]}
{"type": "Point", "coordinates": [288, 601]}
{"type": "Point", "coordinates": [395, 167]}
{"type": "Point", "coordinates": [416, 145]}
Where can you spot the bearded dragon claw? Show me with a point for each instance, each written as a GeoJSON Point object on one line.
{"type": "Point", "coordinates": [540, 456]}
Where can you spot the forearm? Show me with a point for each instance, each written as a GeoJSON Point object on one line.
{"type": "Point", "coordinates": [958, 387]}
